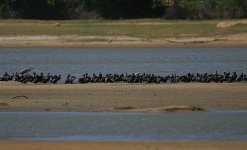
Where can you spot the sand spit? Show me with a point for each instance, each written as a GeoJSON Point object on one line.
{"type": "Point", "coordinates": [230, 23]}
{"type": "Point", "coordinates": [122, 97]}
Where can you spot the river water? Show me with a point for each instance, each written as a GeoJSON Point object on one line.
{"type": "Point", "coordinates": [51, 126]}
{"type": "Point", "coordinates": [160, 61]}
{"type": "Point", "coordinates": [213, 125]}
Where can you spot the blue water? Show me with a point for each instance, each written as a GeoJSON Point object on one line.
{"type": "Point", "coordinates": [65, 126]}
{"type": "Point", "coordinates": [161, 61]}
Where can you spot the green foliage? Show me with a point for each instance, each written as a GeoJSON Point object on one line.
{"type": "Point", "coordinates": [6, 10]}
{"type": "Point", "coordinates": [122, 9]}
{"type": "Point", "coordinates": [231, 8]}
{"type": "Point", "coordinates": [118, 9]}
{"type": "Point", "coordinates": [191, 8]}
{"type": "Point", "coordinates": [208, 9]}
{"type": "Point", "coordinates": [51, 2]}
{"type": "Point", "coordinates": [158, 3]}
{"type": "Point", "coordinates": [158, 7]}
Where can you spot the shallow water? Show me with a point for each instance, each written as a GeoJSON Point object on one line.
{"type": "Point", "coordinates": [162, 61]}
{"type": "Point", "coordinates": [212, 125]}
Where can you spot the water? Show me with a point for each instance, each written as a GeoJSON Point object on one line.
{"type": "Point", "coordinates": [215, 125]}
{"type": "Point", "coordinates": [212, 125]}
{"type": "Point", "coordinates": [160, 61]}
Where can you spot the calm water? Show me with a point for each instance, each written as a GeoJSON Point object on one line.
{"type": "Point", "coordinates": [164, 61]}
{"type": "Point", "coordinates": [213, 125]}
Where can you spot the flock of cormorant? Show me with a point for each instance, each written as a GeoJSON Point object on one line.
{"type": "Point", "coordinates": [126, 78]}
{"type": "Point", "coordinates": [34, 78]}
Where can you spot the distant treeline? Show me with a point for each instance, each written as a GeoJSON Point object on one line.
{"type": "Point", "coordinates": [123, 9]}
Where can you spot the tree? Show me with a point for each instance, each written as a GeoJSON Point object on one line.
{"type": "Point", "coordinates": [6, 9]}
{"type": "Point", "coordinates": [191, 8]}
{"type": "Point", "coordinates": [117, 9]}
{"type": "Point", "coordinates": [122, 9]}
{"type": "Point", "coordinates": [231, 8]}
{"type": "Point", "coordinates": [158, 7]}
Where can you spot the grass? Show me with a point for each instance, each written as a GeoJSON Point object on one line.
{"type": "Point", "coordinates": [144, 28]}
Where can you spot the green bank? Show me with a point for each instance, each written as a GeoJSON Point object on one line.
{"type": "Point", "coordinates": [143, 28]}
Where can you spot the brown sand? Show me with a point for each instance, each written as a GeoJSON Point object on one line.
{"type": "Point", "coordinates": [120, 97]}
{"type": "Point", "coordinates": [230, 23]}
{"type": "Point", "coordinates": [213, 145]}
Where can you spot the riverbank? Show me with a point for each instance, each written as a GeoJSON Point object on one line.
{"type": "Point", "coordinates": [122, 33]}
{"type": "Point", "coordinates": [117, 41]}
{"type": "Point", "coordinates": [120, 97]}
{"type": "Point", "coordinates": [188, 145]}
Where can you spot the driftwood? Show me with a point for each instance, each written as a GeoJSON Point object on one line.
{"type": "Point", "coordinates": [162, 109]}
{"type": "Point", "coordinates": [124, 108]}
{"type": "Point", "coordinates": [4, 104]}
{"type": "Point", "coordinates": [20, 96]}
{"type": "Point", "coordinates": [183, 109]}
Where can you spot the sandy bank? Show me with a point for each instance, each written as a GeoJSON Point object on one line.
{"type": "Point", "coordinates": [216, 145]}
{"type": "Point", "coordinates": [117, 41]}
{"type": "Point", "coordinates": [230, 23]}
{"type": "Point", "coordinates": [110, 97]}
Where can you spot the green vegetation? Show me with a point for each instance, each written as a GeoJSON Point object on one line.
{"type": "Point", "coordinates": [144, 28]}
{"type": "Point", "coordinates": [209, 9]}
{"type": "Point", "coordinates": [122, 9]}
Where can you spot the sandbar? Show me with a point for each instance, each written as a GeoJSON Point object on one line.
{"type": "Point", "coordinates": [107, 97]}
{"type": "Point", "coordinates": [120, 97]}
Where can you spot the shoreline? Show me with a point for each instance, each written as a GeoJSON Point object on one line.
{"type": "Point", "coordinates": [120, 97]}
{"type": "Point", "coordinates": [122, 33]}
{"type": "Point", "coordinates": [153, 145]}
{"type": "Point", "coordinates": [115, 41]}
